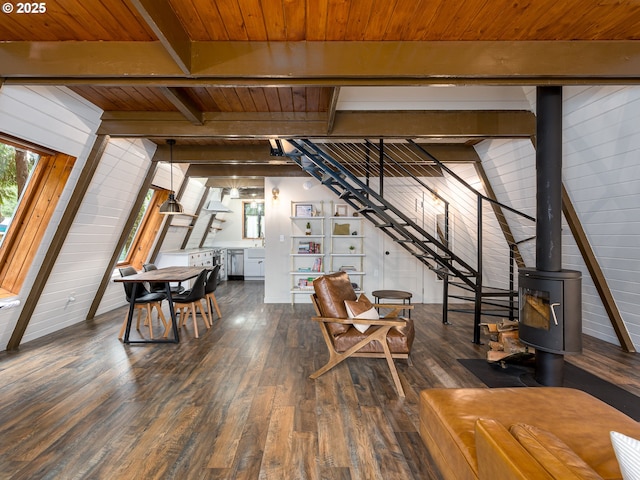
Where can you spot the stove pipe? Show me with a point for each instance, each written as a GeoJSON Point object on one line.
{"type": "Point", "coordinates": [549, 366]}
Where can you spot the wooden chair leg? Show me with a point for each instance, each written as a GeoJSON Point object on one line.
{"type": "Point", "coordinates": [184, 310]}
{"type": "Point", "coordinates": [211, 300]}
{"type": "Point", "coordinates": [124, 326]}
{"type": "Point", "coordinates": [161, 316]}
{"type": "Point", "coordinates": [149, 321]}
{"type": "Point", "coordinates": [195, 322]}
{"type": "Point", "coordinates": [392, 367]}
{"type": "Point", "coordinates": [379, 335]}
{"type": "Point", "coordinates": [168, 327]}
{"type": "Point", "coordinates": [206, 314]}
{"type": "Point", "coordinates": [139, 308]}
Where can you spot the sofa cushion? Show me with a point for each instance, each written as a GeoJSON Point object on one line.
{"type": "Point", "coordinates": [448, 416]}
{"type": "Point", "coordinates": [552, 453]}
{"type": "Point", "coordinates": [627, 451]}
{"type": "Point", "coordinates": [331, 291]}
{"type": "Point", "coordinates": [501, 457]}
{"type": "Point", "coordinates": [361, 309]}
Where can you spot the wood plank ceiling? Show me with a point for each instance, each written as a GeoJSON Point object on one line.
{"type": "Point", "coordinates": [209, 73]}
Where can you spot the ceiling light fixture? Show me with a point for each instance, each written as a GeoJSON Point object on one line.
{"type": "Point", "coordinates": [234, 193]}
{"type": "Point", "coordinates": [171, 206]}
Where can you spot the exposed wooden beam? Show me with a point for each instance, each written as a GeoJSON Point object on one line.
{"type": "Point", "coordinates": [216, 153]}
{"type": "Point", "coordinates": [184, 104]}
{"type": "Point", "coordinates": [89, 59]}
{"type": "Point", "coordinates": [243, 170]}
{"type": "Point", "coordinates": [435, 123]}
{"type": "Point", "coordinates": [597, 275]}
{"type": "Point", "coordinates": [165, 24]}
{"type": "Point", "coordinates": [390, 124]}
{"type": "Point", "coordinates": [447, 153]}
{"type": "Point", "coordinates": [238, 152]}
{"type": "Point", "coordinates": [333, 104]}
{"type": "Point", "coordinates": [333, 63]}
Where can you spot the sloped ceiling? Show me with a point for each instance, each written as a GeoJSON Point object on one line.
{"type": "Point", "coordinates": [222, 77]}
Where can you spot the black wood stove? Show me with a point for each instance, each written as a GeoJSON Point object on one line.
{"type": "Point", "coordinates": [550, 317]}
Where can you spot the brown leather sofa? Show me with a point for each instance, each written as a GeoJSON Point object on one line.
{"type": "Point", "coordinates": [521, 433]}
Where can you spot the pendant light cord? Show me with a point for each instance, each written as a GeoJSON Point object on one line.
{"type": "Point", "coordinates": [171, 143]}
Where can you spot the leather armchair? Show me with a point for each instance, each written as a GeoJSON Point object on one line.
{"type": "Point", "coordinates": [389, 337]}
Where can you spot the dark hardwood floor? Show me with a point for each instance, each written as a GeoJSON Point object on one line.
{"type": "Point", "coordinates": [236, 403]}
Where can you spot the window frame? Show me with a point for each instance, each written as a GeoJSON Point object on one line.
{"type": "Point", "coordinates": [147, 231]}
{"type": "Point", "coordinates": [33, 214]}
{"type": "Point", "coordinates": [244, 220]}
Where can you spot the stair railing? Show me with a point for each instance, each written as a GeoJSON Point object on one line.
{"type": "Point", "coordinates": [350, 169]}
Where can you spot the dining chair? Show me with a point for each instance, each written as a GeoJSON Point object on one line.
{"type": "Point", "coordinates": [160, 286]}
{"type": "Point", "coordinates": [144, 300]}
{"type": "Point", "coordinates": [210, 296]}
{"type": "Point", "coordinates": [190, 301]}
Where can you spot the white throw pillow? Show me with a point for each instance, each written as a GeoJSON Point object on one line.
{"type": "Point", "coordinates": [628, 454]}
{"type": "Point", "coordinates": [361, 309]}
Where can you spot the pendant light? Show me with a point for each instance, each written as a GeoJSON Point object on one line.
{"type": "Point", "coordinates": [171, 206]}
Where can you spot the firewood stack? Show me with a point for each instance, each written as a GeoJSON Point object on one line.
{"type": "Point", "coordinates": [504, 340]}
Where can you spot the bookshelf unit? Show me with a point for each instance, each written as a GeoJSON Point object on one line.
{"type": "Point", "coordinates": [347, 247]}
{"type": "Point", "coordinates": [307, 254]}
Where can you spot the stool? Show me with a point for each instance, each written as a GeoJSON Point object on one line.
{"type": "Point", "coordinates": [394, 295]}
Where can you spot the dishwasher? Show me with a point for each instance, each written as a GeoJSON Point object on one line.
{"type": "Point", "coordinates": [235, 264]}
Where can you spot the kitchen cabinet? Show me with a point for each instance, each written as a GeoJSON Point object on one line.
{"type": "Point", "coordinates": [197, 257]}
{"type": "Point", "coordinates": [254, 264]}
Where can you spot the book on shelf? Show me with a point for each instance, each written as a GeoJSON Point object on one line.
{"type": "Point", "coordinates": [317, 265]}
{"type": "Point", "coordinates": [309, 247]}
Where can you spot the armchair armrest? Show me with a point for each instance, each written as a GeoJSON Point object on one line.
{"type": "Point", "coordinates": [393, 322]}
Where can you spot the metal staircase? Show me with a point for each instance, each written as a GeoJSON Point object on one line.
{"type": "Point", "coordinates": [359, 172]}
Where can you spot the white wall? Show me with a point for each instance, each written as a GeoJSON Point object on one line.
{"type": "Point", "coordinates": [95, 231]}
{"type": "Point", "coordinates": [108, 204]}
{"type": "Point", "coordinates": [58, 119]}
{"type": "Point", "coordinates": [601, 145]}
{"type": "Point", "coordinates": [602, 176]}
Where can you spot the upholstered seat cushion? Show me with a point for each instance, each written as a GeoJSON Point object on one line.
{"type": "Point", "coordinates": [399, 339]}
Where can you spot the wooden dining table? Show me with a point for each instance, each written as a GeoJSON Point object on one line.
{"type": "Point", "coordinates": [166, 275]}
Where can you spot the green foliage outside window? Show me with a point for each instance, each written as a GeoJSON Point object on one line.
{"type": "Point", "coordinates": [136, 225]}
{"type": "Point", "coordinates": [16, 166]}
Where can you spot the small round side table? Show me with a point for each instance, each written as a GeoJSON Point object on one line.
{"type": "Point", "coordinates": [394, 295]}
